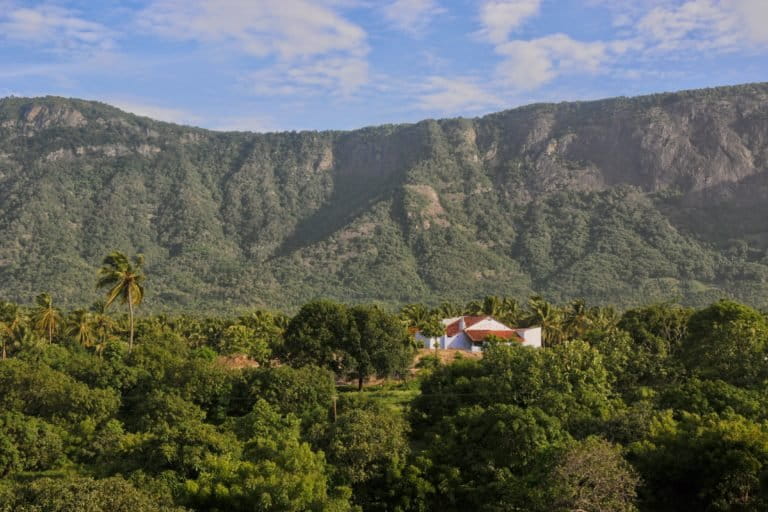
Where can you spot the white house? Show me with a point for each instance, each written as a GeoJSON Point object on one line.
{"type": "Point", "coordinates": [469, 332]}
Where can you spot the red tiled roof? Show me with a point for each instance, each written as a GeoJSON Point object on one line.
{"type": "Point", "coordinates": [453, 329]}
{"type": "Point", "coordinates": [478, 336]}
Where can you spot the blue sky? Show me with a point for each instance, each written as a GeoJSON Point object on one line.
{"type": "Point", "coordinates": [267, 65]}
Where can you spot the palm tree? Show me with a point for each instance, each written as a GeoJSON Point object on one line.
{"type": "Point", "coordinates": [5, 335]}
{"type": "Point", "coordinates": [548, 317]}
{"type": "Point", "coordinates": [578, 319]}
{"type": "Point", "coordinates": [14, 328]}
{"type": "Point", "coordinates": [413, 315]}
{"type": "Point", "coordinates": [123, 279]}
{"type": "Point", "coordinates": [102, 326]}
{"type": "Point", "coordinates": [604, 318]}
{"type": "Point", "coordinates": [80, 327]}
{"type": "Point", "coordinates": [449, 310]}
{"type": "Point", "coordinates": [491, 305]}
{"type": "Point", "coordinates": [47, 318]}
{"type": "Point", "coordinates": [511, 311]}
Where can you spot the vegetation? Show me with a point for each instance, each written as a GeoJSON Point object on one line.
{"type": "Point", "coordinates": [660, 408]}
{"type": "Point", "coordinates": [559, 200]}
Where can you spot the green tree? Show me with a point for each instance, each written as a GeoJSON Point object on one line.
{"type": "Point", "coordinates": [123, 279]}
{"type": "Point", "coordinates": [376, 343]}
{"type": "Point", "coordinates": [31, 444]}
{"type": "Point", "coordinates": [276, 472]}
{"type": "Point", "coordinates": [549, 318]}
{"type": "Point", "coordinates": [727, 341]}
{"type": "Point", "coordinates": [47, 318]}
{"type": "Point", "coordinates": [365, 442]}
{"type": "Point", "coordinates": [577, 319]}
{"type": "Point", "coordinates": [493, 458]}
{"type": "Point", "coordinates": [80, 327]}
{"type": "Point", "coordinates": [315, 335]}
{"type": "Point", "coordinates": [592, 475]}
{"type": "Point", "coordinates": [102, 325]}
{"type": "Point", "coordinates": [706, 462]}
{"type": "Point", "coordinates": [76, 493]}
{"type": "Point", "coordinates": [239, 339]}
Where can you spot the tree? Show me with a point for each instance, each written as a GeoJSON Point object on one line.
{"type": "Point", "coordinates": [490, 305]}
{"type": "Point", "coordinates": [102, 325]}
{"type": "Point", "coordinates": [80, 327]}
{"type": "Point", "coordinates": [549, 318]}
{"type": "Point", "coordinates": [277, 471]}
{"type": "Point", "coordinates": [123, 280]}
{"type": "Point", "coordinates": [11, 324]}
{"type": "Point", "coordinates": [714, 463]}
{"type": "Point", "coordinates": [239, 339]}
{"type": "Point", "coordinates": [316, 333]}
{"type": "Point", "coordinates": [376, 343]}
{"type": "Point", "coordinates": [727, 341]}
{"type": "Point", "coordinates": [511, 312]}
{"type": "Point", "coordinates": [85, 494]}
{"type": "Point", "coordinates": [449, 310]}
{"type": "Point", "coordinates": [432, 327]}
{"type": "Point", "coordinates": [577, 319]}
{"type": "Point", "coordinates": [413, 315]}
{"type": "Point", "coordinates": [47, 318]}
{"type": "Point", "coordinates": [366, 441]}
{"type": "Point", "coordinates": [492, 458]}
{"type": "Point", "coordinates": [592, 475]}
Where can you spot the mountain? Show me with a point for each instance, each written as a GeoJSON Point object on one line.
{"type": "Point", "coordinates": [624, 200]}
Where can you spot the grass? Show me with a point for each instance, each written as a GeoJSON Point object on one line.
{"type": "Point", "coordinates": [397, 395]}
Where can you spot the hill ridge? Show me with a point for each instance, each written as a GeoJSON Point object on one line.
{"type": "Point", "coordinates": [620, 200]}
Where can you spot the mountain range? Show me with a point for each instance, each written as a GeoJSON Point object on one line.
{"type": "Point", "coordinates": [623, 201]}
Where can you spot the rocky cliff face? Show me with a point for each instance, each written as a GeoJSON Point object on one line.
{"type": "Point", "coordinates": [622, 200]}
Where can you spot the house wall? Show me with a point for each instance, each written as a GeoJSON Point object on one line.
{"type": "Point", "coordinates": [531, 337]}
{"type": "Point", "coordinates": [459, 342]}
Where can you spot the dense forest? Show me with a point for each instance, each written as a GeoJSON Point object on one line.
{"type": "Point", "coordinates": [109, 409]}
{"type": "Point", "coordinates": [625, 201]}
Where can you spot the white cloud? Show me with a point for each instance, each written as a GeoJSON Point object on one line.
{"type": "Point", "coordinates": [530, 64]}
{"type": "Point", "coordinates": [55, 27]}
{"type": "Point", "coordinates": [500, 17]}
{"type": "Point", "coordinates": [314, 47]}
{"type": "Point", "coordinates": [755, 16]}
{"type": "Point", "coordinates": [448, 95]}
{"type": "Point", "coordinates": [333, 75]}
{"type": "Point", "coordinates": [667, 26]}
{"type": "Point", "coordinates": [411, 16]}
{"type": "Point", "coordinates": [286, 28]}
{"type": "Point", "coordinates": [696, 24]}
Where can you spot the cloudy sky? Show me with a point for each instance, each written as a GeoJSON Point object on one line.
{"type": "Point", "coordinates": [314, 64]}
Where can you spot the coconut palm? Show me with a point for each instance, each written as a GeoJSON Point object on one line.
{"type": "Point", "coordinates": [449, 310]}
{"type": "Point", "coordinates": [511, 312]}
{"type": "Point", "coordinates": [605, 318]}
{"type": "Point", "coordinates": [5, 336]}
{"type": "Point", "coordinates": [413, 315]}
{"type": "Point", "coordinates": [549, 318]}
{"type": "Point", "coordinates": [14, 328]}
{"type": "Point", "coordinates": [491, 305]}
{"type": "Point", "coordinates": [123, 279]}
{"type": "Point", "coordinates": [102, 325]}
{"type": "Point", "coordinates": [577, 320]}
{"type": "Point", "coordinates": [47, 317]}
{"type": "Point", "coordinates": [80, 327]}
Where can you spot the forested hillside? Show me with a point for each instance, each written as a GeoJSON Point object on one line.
{"type": "Point", "coordinates": [622, 200]}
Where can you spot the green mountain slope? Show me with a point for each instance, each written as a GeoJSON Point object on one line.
{"type": "Point", "coordinates": [620, 200]}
